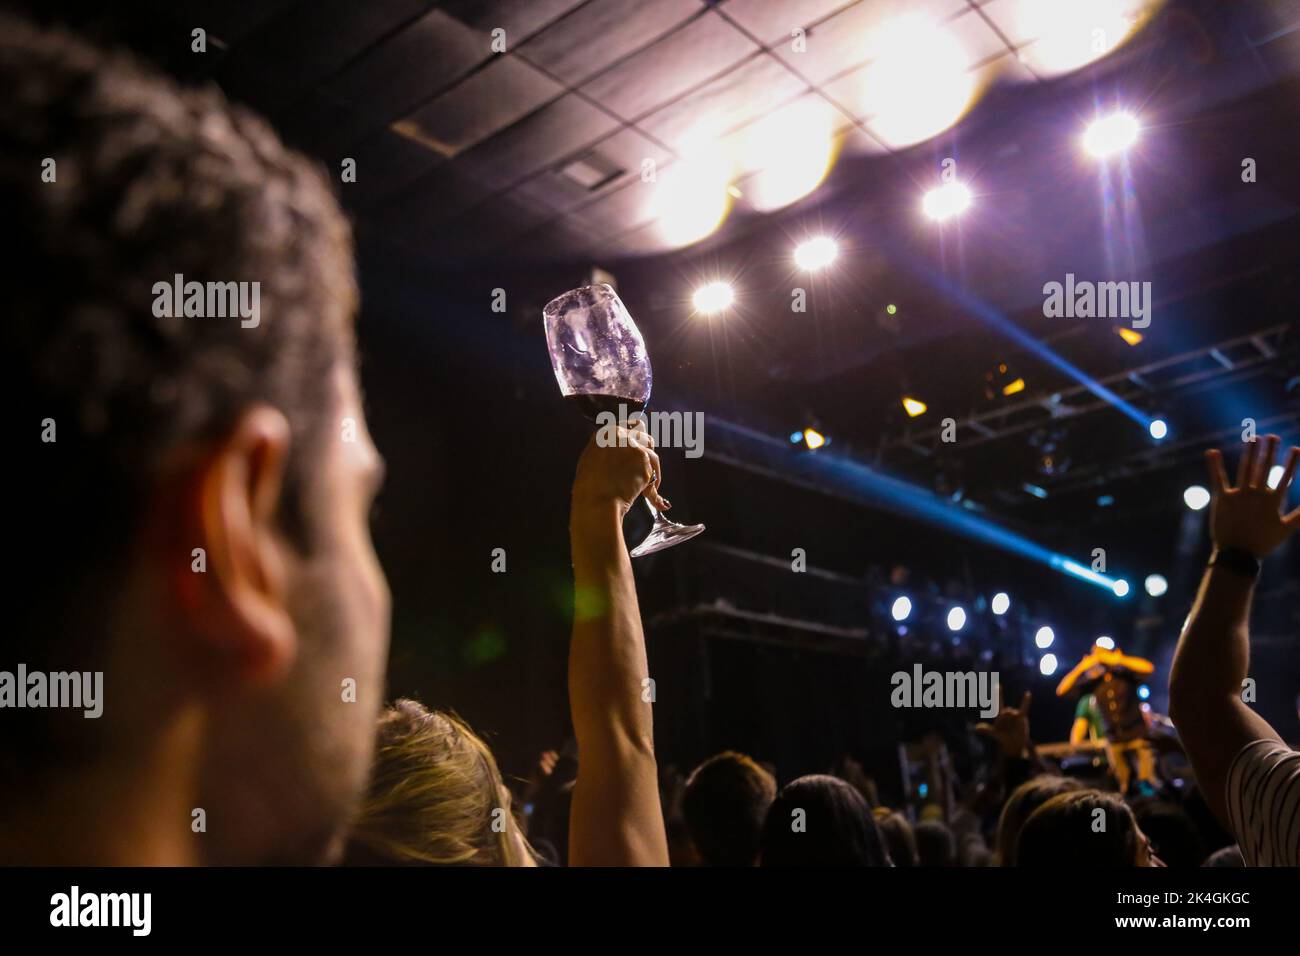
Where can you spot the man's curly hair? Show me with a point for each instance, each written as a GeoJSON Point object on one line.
{"type": "Point", "coordinates": [150, 180]}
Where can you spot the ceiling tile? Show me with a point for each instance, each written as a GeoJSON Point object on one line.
{"type": "Point", "coordinates": [750, 90]}
{"type": "Point", "coordinates": [773, 23]}
{"type": "Point", "coordinates": [430, 201]}
{"type": "Point", "coordinates": [601, 33]}
{"type": "Point", "coordinates": [627, 149]}
{"type": "Point", "coordinates": [980, 41]}
{"type": "Point", "coordinates": [842, 42]}
{"type": "Point", "coordinates": [553, 132]}
{"type": "Point", "coordinates": [504, 91]}
{"type": "Point", "coordinates": [702, 49]}
{"type": "Point", "coordinates": [405, 70]}
{"type": "Point", "coordinates": [519, 18]}
{"type": "Point", "coordinates": [386, 163]}
{"type": "Point", "coordinates": [617, 211]}
{"type": "Point", "coordinates": [289, 53]}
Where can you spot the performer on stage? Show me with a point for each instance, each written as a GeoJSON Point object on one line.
{"type": "Point", "coordinates": [1110, 678]}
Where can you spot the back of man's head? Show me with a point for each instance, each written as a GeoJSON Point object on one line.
{"type": "Point", "coordinates": [179, 348]}
{"type": "Point", "coordinates": [727, 798]}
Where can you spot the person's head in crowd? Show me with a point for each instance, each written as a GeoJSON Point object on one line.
{"type": "Point", "coordinates": [1171, 831]}
{"type": "Point", "coordinates": [1225, 856]}
{"type": "Point", "coordinates": [724, 806]}
{"type": "Point", "coordinates": [935, 845]}
{"type": "Point", "coordinates": [820, 820]}
{"type": "Point", "coordinates": [194, 526]}
{"type": "Point", "coordinates": [899, 838]}
{"type": "Point", "coordinates": [436, 798]}
{"type": "Point", "coordinates": [1084, 828]}
{"type": "Point", "coordinates": [1024, 800]}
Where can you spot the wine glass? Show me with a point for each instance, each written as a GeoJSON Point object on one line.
{"type": "Point", "coordinates": [601, 363]}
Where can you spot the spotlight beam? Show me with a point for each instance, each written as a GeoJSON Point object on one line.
{"type": "Point", "coordinates": [828, 473]}
{"type": "Point", "coordinates": [992, 317]}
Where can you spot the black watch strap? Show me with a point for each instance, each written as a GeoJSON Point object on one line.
{"type": "Point", "coordinates": [1237, 561]}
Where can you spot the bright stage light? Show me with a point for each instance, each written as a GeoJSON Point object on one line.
{"type": "Point", "coordinates": [956, 619]}
{"type": "Point", "coordinates": [1067, 34]}
{"type": "Point", "coordinates": [918, 82]}
{"type": "Point", "coordinates": [1129, 336]}
{"type": "Point", "coordinates": [1158, 428]}
{"type": "Point", "coordinates": [1121, 588]}
{"type": "Point", "coordinates": [901, 609]}
{"type": "Point", "coordinates": [1012, 388]}
{"type": "Point", "coordinates": [691, 197]}
{"type": "Point", "coordinates": [1000, 604]}
{"type": "Point", "coordinates": [1275, 476]}
{"type": "Point", "coordinates": [1105, 642]}
{"type": "Point", "coordinates": [791, 150]}
{"type": "Point", "coordinates": [713, 297]}
{"type": "Point", "coordinates": [816, 253]}
{"type": "Point", "coordinates": [1047, 666]}
{"type": "Point", "coordinates": [1111, 135]}
{"type": "Point", "coordinates": [913, 407]}
{"type": "Point", "coordinates": [1156, 584]}
{"type": "Point", "coordinates": [944, 202]}
{"type": "Point", "coordinates": [1044, 637]}
{"type": "Point", "coordinates": [1196, 497]}
{"type": "Point", "coordinates": [1144, 692]}
{"type": "Point", "coordinates": [813, 438]}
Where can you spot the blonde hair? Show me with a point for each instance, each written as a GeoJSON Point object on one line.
{"type": "Point", "coordinates": [436, 797]}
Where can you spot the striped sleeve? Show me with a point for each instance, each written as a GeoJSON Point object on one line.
{"type": "Point", "coordinates": [1263, 798]}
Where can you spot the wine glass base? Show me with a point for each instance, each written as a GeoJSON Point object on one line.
{"type": "Point", "coordinates": [664, 535]}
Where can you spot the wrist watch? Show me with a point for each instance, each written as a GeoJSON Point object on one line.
{"type": "Point", "coordinates": [1237, 561]}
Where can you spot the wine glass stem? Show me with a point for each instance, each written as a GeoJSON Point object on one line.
{"type": "Point", "coordinates": [654, 512]}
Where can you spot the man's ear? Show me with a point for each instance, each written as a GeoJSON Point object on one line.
{"type": "Point", "coordinates": [239, 602]}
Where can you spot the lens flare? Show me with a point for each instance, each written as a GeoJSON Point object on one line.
{"type": "Point", "coordinates": [1156, 584]}
{"type": "Point", "coordinates": [1110, 136]}
{"type": "Point", "coordinates": [944, 202]}
{"type": "Point", "coordinates": [713, 298]}
{"type": "Point", "coordinates": [816, 253]}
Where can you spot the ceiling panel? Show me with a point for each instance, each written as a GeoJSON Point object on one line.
{"type": "Point", "coordinates": [553, 132]}
{"type": "Point", "coordinates": [299, 47]}
{"type": "Point", "coordinates": [704, 48]}
{"type": "Point", "coordinates": [386, 163]}
{"type": "Point", "coordinates": [519, 18]}
{"type": "Point", "coordinates": [626, 150]}
{"type": "Point", "coordinates": [606, 31]}
{"type": "Point", "coordinates": [504, 91]}
{"type": "Point", "coordinates": [773, 23]}
{"type": "Point", "coordinates": [618, 211]}
{"type": "Point", "coordinates": [403, 71]}
{"type": "Point", "coordinates": [750, 90]}
{"type": "Point", "coordinates": [843, 41]}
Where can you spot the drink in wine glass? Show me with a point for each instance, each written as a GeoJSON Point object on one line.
{"type": "Point", "coordinates": [600, 362]}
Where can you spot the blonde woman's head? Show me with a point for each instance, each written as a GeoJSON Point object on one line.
{"type": "Point", "coordinates": [435, 798]}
